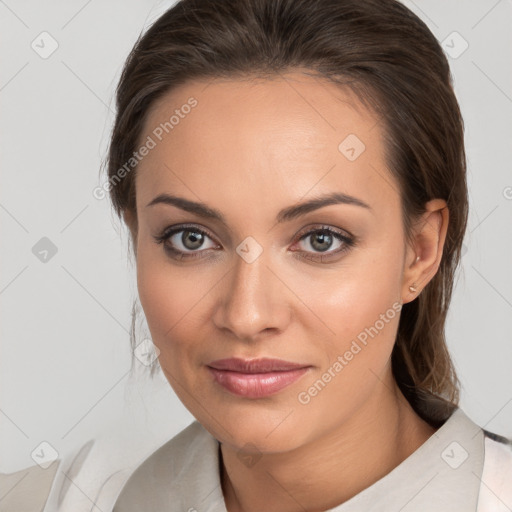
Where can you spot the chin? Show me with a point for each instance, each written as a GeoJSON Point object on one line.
{"type": "Point", "coordinates": [246, 427]}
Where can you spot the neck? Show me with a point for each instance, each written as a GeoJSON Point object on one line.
{"type": "Point", "coordinates": [331, 469]}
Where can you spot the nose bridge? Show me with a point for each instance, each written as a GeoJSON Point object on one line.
{"type": "Point", "coordinates": [250, 304]}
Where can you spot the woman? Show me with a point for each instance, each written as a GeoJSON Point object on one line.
{"type": "Point", "coordinates": [293, 176]}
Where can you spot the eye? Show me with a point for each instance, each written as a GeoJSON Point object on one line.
{"type": "Point", "coordinates": [321, 240]}
{"type": "Point", "coordinates": [184, 242]}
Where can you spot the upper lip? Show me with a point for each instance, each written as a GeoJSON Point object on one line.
{"type": "Point", "coordinates": [263, 365]}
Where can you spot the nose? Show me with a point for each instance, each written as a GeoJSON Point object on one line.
{"type": "Point", "coordinates": [252, 301]}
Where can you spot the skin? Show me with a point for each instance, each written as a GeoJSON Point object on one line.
{"type": "Point", "coordinates": [249, 149]}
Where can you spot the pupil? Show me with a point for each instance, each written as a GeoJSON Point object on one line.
{"type": "Point", "coordinates": [195, 238]}
{"type": "Point", "coordinates": [322, 238]}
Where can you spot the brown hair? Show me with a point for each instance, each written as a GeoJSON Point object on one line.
{"type": "Point", "coordinates": [381, 51]}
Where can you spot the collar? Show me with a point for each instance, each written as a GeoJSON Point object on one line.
{"type": "Point", "coordinates": [443, 474]}
{"type": "Point", "coordinates": [183, 475]}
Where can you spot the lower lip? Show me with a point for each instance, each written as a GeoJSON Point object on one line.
{"type": "Point", "coordinates": [256, 385]}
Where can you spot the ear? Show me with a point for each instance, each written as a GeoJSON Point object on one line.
{"type": "Point", "coordinates": [130, 219]}
{"type": "Point", "coordinates": [424, 253]}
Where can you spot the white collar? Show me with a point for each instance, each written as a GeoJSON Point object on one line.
{"type": "Point", "coordinates": [443, 474]}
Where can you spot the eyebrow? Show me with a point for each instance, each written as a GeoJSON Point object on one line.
{"type": "Point", "coordinates": [285, 215]}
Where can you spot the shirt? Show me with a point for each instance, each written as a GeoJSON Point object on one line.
{"type": "Point", "coordinates": [460, 468]}
{"type": "Point", "coordinates": [445, 474]}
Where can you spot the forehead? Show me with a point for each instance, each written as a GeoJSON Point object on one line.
{"type": "Point", "coordinates": [267, 140]}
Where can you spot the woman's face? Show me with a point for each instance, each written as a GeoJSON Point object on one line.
{"type": "Point", "coordinates": [260, 279]}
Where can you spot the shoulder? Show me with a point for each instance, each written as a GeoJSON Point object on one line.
{"type": "Point", "coordinates": [194, 437]}
{"type": "Point", "coordinates": [91, 473]}
{"type": "Point", "coordinates": [182, 471]}
{"type": "Point", "coordinates": [94, 472]}
{"type": "Point", "coordinates": [174, 456]}
{"type": "Point", "coordinates": [27, 489]}
{"type": "Point", "coordinates": [496, 485]}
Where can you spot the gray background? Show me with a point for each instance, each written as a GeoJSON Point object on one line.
{"type": "Point", "coordinates": [65, 351]}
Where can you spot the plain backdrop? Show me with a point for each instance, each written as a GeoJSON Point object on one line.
{"type": "Point", "coordinates": [66, 282]}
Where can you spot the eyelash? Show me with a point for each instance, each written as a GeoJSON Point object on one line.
{"type": "Point", "coordinates": [163, 237]}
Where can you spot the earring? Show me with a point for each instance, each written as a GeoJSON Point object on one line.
{"type": "Point", "coordinates": [412, 288]}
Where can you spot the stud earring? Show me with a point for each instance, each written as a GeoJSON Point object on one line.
{"type": "Point", "coordinates": [412, 288]}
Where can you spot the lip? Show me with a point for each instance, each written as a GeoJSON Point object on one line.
{"type": "Point", "coordinates": [256, 378]}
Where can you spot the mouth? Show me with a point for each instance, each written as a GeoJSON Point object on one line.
{"type": "Point", "coordinates": [256, 378]}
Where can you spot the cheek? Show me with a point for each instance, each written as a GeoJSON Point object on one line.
{"type": "Point", "coordinates": [173, 300]}
{"type": "Point", "coordinates": [364, 324]}
{"type": "Point", "coordinates": [355, 294]}
{"type": "Point", "coordinates": [360, 304]}
{"type": "Point", "coordinates": [165, 298]}
{"type": "Point", "coordinates": [167, 305]}
{"type": "Point", "coordinates": [156, 294]}
{"type": "Point", "coordinates": [356, 358]}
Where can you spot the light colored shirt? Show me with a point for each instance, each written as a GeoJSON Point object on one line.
{"type": "Point", "coordinates": [460, 468]}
